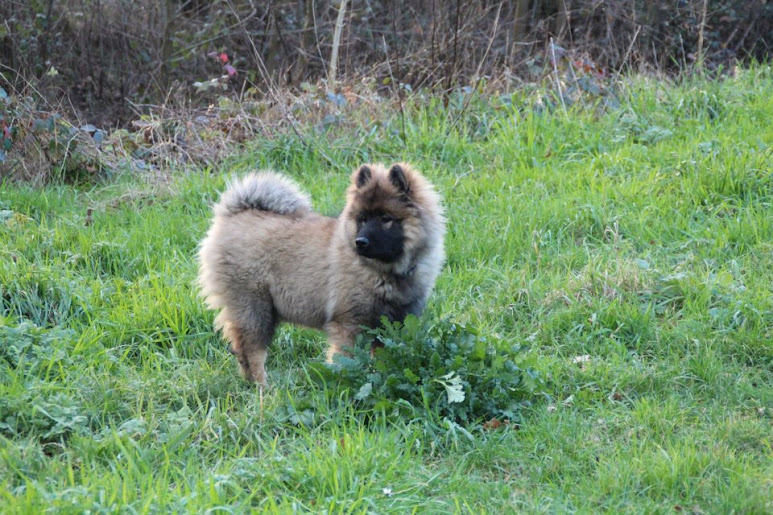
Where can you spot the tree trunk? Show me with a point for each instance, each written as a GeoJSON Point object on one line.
{"type": "Point", "coordinates": [520, 14]}
{"type": "Point", "coordinates": [307, 41]}
{"type": "Point", "coordinates": [166, 47]}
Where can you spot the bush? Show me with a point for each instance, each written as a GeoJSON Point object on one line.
{"type": "Point", "coordinates": [94, 56]}
{"type": "Point", "coordinates": [431, 370]}
{"type": "Point", "coordinates": [39, 145]}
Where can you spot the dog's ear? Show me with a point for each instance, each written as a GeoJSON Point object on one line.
{"type": "Point", "coordinates": [397, 178]}
{"type": "Point", "coordinates": [363, 176]}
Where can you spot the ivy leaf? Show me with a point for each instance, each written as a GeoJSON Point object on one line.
{"type": "Point", "coordinates": [453, 386]}
{"type": "Point", "coordinates": [364, 391]}
{"type": "Point", "coordinates": [479, 351]}
{"type": "Point", "coordinates": [410, 376]}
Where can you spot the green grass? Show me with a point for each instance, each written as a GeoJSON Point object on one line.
{"type": "Point", "coordinates": [630, 250]}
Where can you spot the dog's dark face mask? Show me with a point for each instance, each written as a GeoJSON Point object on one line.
{"type": "Point", "coordinates": [379, 236]}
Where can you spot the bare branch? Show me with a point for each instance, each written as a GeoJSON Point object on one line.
{"type": "Point", "coordinates": [332, 74]}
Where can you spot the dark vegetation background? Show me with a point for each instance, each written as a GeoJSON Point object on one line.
{"type": "Point", "coordinates": [89, 85]}
{"type": "Point", "coordinates": [100, 57]}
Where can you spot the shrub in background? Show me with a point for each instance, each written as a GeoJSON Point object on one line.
{"type": "Point", "coordinates": [38, 144]}
{"type": "Point", "coordinates": [111, 58]}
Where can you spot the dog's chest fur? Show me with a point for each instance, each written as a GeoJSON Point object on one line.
{"type": "Point", "coordinates": [396, 297]}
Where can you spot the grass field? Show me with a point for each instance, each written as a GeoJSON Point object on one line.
{"type": "Point", "coordinates": [628, 248]}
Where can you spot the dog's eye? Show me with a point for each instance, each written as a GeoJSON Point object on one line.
{"type": "Point", "coordinates": [362, 219]}
{"type": "Point", "coordinates": [385, 219]}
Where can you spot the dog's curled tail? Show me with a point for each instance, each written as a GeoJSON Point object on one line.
{"type": "Point", "coordinates": [265, 191]}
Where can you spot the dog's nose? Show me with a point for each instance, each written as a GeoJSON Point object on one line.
{"type": "Point", "coordinates": [361, 242]}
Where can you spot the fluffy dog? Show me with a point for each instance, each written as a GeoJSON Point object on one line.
{"type": "Point", "coordinates": [268, 258]}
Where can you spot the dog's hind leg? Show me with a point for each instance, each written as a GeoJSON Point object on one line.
{"type": "Point", "coordinates": [250, 334]}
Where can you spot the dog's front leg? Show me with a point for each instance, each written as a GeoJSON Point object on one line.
{"type": "Point", "coordinates": [341, 338]}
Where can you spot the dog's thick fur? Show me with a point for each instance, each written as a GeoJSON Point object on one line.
{"type": "Point", "coordinates": [268, 258]}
